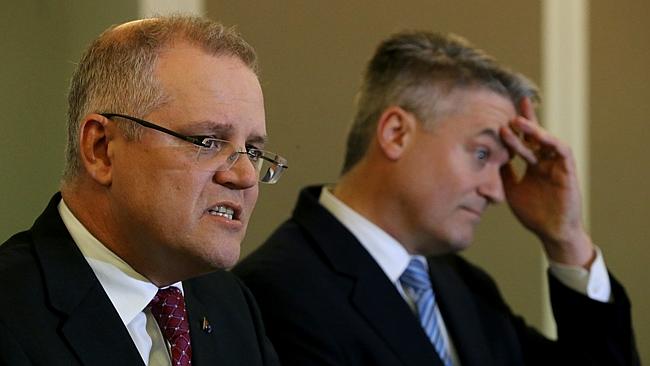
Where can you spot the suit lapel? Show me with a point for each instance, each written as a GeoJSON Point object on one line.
{"type": "Point", "coordinates": [89, 321]}
{"type": "Point", "coordinates": [460, 314]}
{"type": "Point", "coordinates": [373, 295]}
{"type": "Point", "coordinates": [205, 348]}
{"type": "Point", "coordinates": [99, 336]}
{"type": "Point", "coordinates": [378, 301]}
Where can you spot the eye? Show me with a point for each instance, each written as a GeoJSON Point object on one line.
{"type": "Point", "coordinates": [253, 153]}
{"type": "Point", "coordinates": [212, 144]}
{"type": "Point", "coordinates": [482, 154]}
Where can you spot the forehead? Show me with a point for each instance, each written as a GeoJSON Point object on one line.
{"type": "Point", "coordinates": [474, 109]}
{"type": "Point", "coordinates": [201, 87]}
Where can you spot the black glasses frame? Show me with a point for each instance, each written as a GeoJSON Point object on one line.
{"type": "Point", "coordinates": [196, 140]}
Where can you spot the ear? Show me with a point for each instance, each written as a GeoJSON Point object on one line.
{"type": "Point", "coordinates": [395, 131]}
{"type": "Point", "coordinates": [94, 140]}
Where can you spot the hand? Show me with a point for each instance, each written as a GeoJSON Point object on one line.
{"type": "Point", "coordinates": [546, 198]}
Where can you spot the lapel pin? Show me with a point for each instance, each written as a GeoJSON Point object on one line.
{"type": "Point", "coordinates": [205, 326]}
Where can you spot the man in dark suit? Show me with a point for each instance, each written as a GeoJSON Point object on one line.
{"type": "Point", "coordinates": [366, 272]}
{"type": "Point", "coordinates": [126, 264]}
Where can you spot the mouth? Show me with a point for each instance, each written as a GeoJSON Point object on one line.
{"type": "Point", "coordinates": [476, 212]}
{"type": "Point", "coordinates": [224, 211]}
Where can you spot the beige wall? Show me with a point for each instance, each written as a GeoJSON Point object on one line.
{"type": "Point", "coordinates": [620, 148]}
{"type": "Point", "coordinates": [39, 43]}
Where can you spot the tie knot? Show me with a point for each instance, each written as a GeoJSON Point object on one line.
{"type": "Point", "coordinates": [168, 307]}
{"type": "Point", "coordinates": [415, 276]}
{"type": "Point", "coordinates": [167, 303]}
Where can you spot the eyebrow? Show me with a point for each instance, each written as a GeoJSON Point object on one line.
{"type": "Point", "coordinates": [225, 129]}
{"type": "Point", "coordinates": [493, 135]}
{"type": "Point", "coordinates": [209, 126]}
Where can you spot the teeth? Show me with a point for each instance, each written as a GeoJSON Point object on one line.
{"type": "Point", "coordinates": [222, 211]}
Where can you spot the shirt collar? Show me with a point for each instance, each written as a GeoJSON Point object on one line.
{"type": "Point", "coordinates": [389, 254]}
{"type": "Point", "coordinates": [129, 291]}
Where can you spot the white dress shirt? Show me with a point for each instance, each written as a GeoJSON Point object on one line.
{"type": "Point", "coordinates": [393, 259]}
{"type": "Point", "coordinates": [128, 290]}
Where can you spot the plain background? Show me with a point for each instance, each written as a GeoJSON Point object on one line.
{"type": "Point", "coordinates": [312, 55]}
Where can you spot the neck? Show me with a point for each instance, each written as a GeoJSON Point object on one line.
{"type": "Point", "coordinates": [369, 190]}
{"type": "Point", "coordinates": [91, 205]}
{"type": "Point", "coordinates": [373, 191]}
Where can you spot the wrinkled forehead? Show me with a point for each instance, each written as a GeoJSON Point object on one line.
{"type": "Point", "coordinates": [210, 89]}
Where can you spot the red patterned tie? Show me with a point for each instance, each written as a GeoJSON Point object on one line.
{"type": "Point", "coordinates": [168, 307]}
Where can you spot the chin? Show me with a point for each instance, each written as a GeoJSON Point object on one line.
{"type": "Point", "coordinates": [459, 247]}
{"type": "Point", "coordinates": [457, 243]}
{"type": "Point", "coordinates": [225, 258]}
{"type": "Point", "coordinates": [443, 242]}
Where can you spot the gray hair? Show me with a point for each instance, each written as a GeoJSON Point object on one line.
{"type": "Point", "coordinates": [414, 70]}
{"type": "Point", "coordinates": [116, 73]}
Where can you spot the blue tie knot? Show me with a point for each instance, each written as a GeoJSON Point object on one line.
{"type": "Point", "coordinates": [415, 276]}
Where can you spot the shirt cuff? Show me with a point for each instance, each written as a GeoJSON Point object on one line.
{"type": "Point", "coordinates": [593, 282]}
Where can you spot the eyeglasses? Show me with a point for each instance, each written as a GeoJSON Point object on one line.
{"type": "Point", "coordinates": [220, 155]}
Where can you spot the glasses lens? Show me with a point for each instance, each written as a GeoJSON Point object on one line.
{"type": "Point", "coordinates": [216, 155]}
{"type": "Point", "coordinates": [221, 155]}
{"type": "Point", "coordinates": [272, 167]}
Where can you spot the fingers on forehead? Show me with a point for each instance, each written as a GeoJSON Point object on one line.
{"type": "Point", "coordinates": [517, 146]}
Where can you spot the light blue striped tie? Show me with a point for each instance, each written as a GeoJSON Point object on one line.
{"type": "Point", "coordinates": [416, 278]}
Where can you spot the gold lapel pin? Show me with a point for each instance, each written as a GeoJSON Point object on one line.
{"type": "Point", "coordinates": [205, 325]}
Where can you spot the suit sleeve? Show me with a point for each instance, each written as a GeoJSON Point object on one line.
{"type": "Point", "coordinates": [590, 332]}
{"type": "Point", "coordinates": [596, 333]}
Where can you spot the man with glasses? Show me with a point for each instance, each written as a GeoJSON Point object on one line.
{"type": "Point", "coordinates": [366, 272]}
{"type": "Point", "coordinates": [126, 266]}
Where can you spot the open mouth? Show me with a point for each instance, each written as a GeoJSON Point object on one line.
{"type": "Point", "coordinates": [223, 211]}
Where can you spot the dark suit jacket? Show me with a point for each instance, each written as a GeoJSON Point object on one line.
{"type": "Point", "coordinates": [53, 310]}
{"type": "Point", "coordinates": [325, 301]}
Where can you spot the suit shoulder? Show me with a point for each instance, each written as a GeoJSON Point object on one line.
{"type": "Point", "coordinates": [15, 246]}
{"type": "Point", "coordinates": [290, 262]}
{"type": "Point", "coordinates": [473, 276]}
{"type": "Point", "coordinates": [17, 259]}
{"type": "Point", "coordinates": [287, 251]}
{"type": "Point", "coordinates": [22, 277]}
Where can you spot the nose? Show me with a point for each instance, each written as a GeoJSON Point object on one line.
{"type": "Point", "coordinates": [241, 175]}
{"type": "Point", "coordinates": [491, 187]}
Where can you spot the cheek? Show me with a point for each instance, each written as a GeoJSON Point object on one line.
{"type": "Point", "coordinates": [251, 195]}
{"type": "Point", "coordinates": [435, 204]}
{"type": "Point", "coordinates": [177, 190]}
{"type": "Point", "coordinates": [460, 175]}
{"type": "Point", "coordinates": [438, 196]}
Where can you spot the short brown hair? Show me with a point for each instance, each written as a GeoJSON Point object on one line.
{"type": "Point", "coordinates": [116, 73]}
{"type": "Point", "coordinates": [413, 70]}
